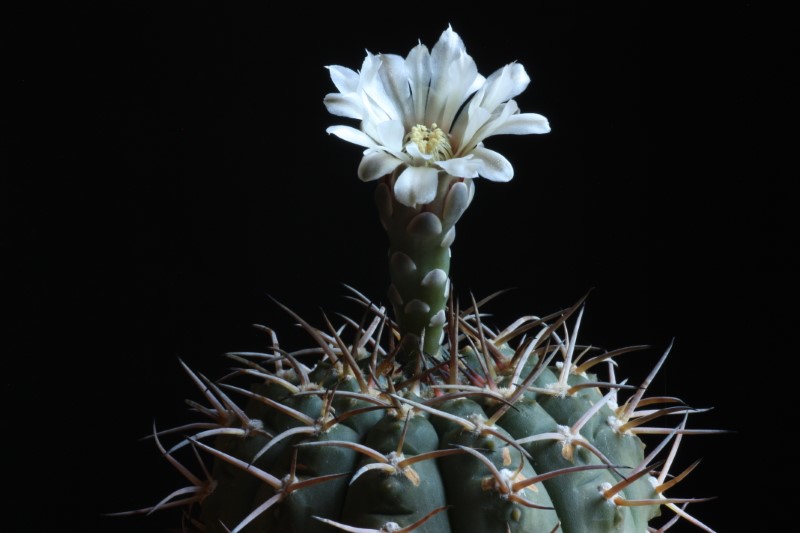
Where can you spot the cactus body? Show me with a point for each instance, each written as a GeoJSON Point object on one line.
{"type": "Point", "coordinates": [501, 431]}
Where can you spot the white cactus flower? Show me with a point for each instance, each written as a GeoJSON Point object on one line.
{"type": "Point", "coordinates": [429, 113]}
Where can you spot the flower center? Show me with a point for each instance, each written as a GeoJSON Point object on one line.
{"type": "Point", "coordinates": [433, 141]}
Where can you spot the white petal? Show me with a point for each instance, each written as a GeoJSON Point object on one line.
{"type": "Point", "coordinates": [370, 127]}
{"type": "Point", "coordinates": [413, 150]}
{"type": "Point", "coordinates": [477, 84]}
{"type": "Point", "coordinates": [499, 117]}
{"type": "Point", "coordinates": [504, 84]}
{"type": "Point", "coordinates": [373, 112]}
{"type": "Point", "coordinates": [446, 50]}
{"type": "Point", "coordinates": [461, 167]}
{"type": "Point", "coordinates": [466, 72]}
{"type": "Point", "coordinates": [395, 77]}
{"type": "Point", "coordinates": [352, 135]}
{"type": "Point", "coordinates": [344, 105]}
{"type": "Point", "coordinates": [468, 119]}
{"type": "Point", "coordinates": [523, 124]}
{"type": "Point", "coordinates": [375, 165]}
{"type": "Point", "coordinates": [453, 76]}
{"type": "Point", "coordinates": [467, 124]}
{"type": "Point", "coordinates": [345, 79]}
{"type": "Point", "coordinates": [390, 134]}
{"type": "Point", "coordinates": [373, 88]}
{"type": "Point", "coordinates": [418, 64]}
{"type": "Point", "coordinates": [416, 185]}
{"type": "Point", "coordinates": [494, 166]}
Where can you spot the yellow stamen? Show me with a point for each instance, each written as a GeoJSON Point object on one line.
{"type": "Point", "coordinates": [431, 141]}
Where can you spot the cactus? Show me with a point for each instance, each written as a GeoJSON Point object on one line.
{"type": "Point", "coordinates": [425, 418]}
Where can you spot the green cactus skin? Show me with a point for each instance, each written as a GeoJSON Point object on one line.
{"type": "Point", "coordinates": [419, 261]}
{"type": "Point", "coordinates": [376, 498]}
{"type": "Point", "coordinates": [518, 436]}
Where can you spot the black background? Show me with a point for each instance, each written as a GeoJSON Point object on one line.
{"type": "Point", "coordinates": [168, 170]}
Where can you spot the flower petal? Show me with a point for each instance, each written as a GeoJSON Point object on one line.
{"type": "Point", "coordinates": [390, 134]}
{"type": "Point", "coordinates": [461, 167]}
{"type": "Point", "coordinates": [344, 105]}
{"type": "Point", "coordinates": [477, 84]}
{"type": "Point", "coordinates": [345, 79]}
{"type": "Point", "coordinates": [453, 78]}
{"type": "Point", "coordinates": [504, 84]}
{"type": "Point", "coordinates": [448, 49]}
{"type": "Point", "coordinates": [352, 135]}
{"type": "Point", "coordinates": [477, 122]}
{"type": "Point", "coordinates": [418, 64]}
{"type": "Point", "coordinates": [376, 164]}
{"type": "Point", "coordinates": [395, 77]}
{"type": "Point", "coordinates": [416, 185]}
{"type": "Point", "coordinates": [523, 124]}
{"type": "Point", "coordinates": [494, 166]}
{"type": "Point", "coordinates": [413, 150]}
{"type": "Point", "coordinates": [469, 122]}
{"type": "Point", "coordinates": [374, 96]}
{"type": "Point", "coordinates": [487, 127]}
